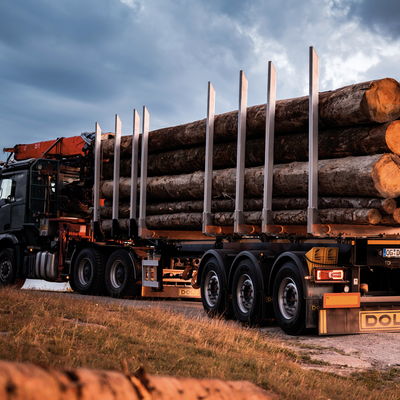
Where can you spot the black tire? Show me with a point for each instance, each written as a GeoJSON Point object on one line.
{"type": "Point", "coordinates": [88, 272]}
{"type": "Point", "coordinates": [247, 293]}
{"type": "Point", "coordinates": [8, 267]}
{"type": "Point", "coordinates": [214, 289]}
{"type": "Point", "coordinates": [120, 275]}
{"type": "Point", "coordinates": [288, 299]}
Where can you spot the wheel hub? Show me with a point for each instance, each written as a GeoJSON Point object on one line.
{"type": "Point", "coordinates": [245, 293]}
{"type": "Point", "coordinates": [85, 272]}
{"type": "Point", "coordinates": [213, 289]}
{"type": "Point", "coordinates": [5, 269]}
{"type": "Point", "coordinates": [117, 274]}
{"type": "Point", "coordinates": [288, 298]}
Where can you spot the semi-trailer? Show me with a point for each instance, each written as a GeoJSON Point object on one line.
{"type": "Point", "coordinates": [333, 278]}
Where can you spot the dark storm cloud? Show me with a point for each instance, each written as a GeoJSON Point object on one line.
{"type": "Point", "coordinates": [382, 16]}
{"type": "Point", "coordinates": [66, 64]}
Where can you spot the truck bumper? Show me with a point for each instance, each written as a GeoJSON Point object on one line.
{"type": "Point", "coordinates": [374, 315]}
{"type": "Point", "coordinates": [174, 292]}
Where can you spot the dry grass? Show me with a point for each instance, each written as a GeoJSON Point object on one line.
{"type": "Point", "coordinates": [55, 331]}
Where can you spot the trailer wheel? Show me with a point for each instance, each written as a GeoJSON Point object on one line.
{"type": "Point", "coordinates": [247, 293]}
{"type": "Point", "coordinates": [8, 267]}
{"type": "Point", "coordinates": [120, 277]}
{"type": "Point", "coordinates": [88, 273]}
{"type": "Point", "coordinates": [214, 291]}
{"type": "Point", "coordinates": [288, 299]}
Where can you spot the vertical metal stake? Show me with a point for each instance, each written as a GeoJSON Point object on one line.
{"type": "Point", "coordinates": [134, 175]}
{"type": "Point", "coordinates": [208, 173]}
{"type": "Point", "coordinates": [96, 184]}
{"type": "Point", "coordinates": [241, 153]}
{"type": "Point", "coordinates": [143, 171]}
{"type": "Point", "coordinates": [117, 160]}
{"type": "Point", "coordinates": [312, 211]}
{"type": "Point", "coordinates": [269, 148]}
{"type": "Point", "coordinates": [97, 161]}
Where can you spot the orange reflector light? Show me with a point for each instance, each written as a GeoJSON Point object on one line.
{"type": "Point", "coordinates": [329, 274]}
{"type": "Point", "coordinates": [341, 300]}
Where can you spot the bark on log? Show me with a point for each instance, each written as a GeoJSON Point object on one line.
{"type": "Point", "coordinates": [370, 176]}
{"type": "Point", "coordinates": [361, 103]}
{"type": "Point", "coordinates": [27, 381]}
{"type": "Point", "coordinates": [193, 221]}
{"type": "Point", "coordinates": [335, 143]}
{"type": "Point", "coordinates": [385, 206]}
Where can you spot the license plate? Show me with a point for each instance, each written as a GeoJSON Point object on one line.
{"type": "Point", "coordinates": [388, 320]}
{"type": "Point", "coordinates": [391, 253]}
{"type": "Point", "coordinates": [189, 292]}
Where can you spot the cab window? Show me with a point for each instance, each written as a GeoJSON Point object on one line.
{"type": "Point", "coordinates": [7, 189]}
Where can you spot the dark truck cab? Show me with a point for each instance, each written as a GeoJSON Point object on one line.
{"type": "Point", "coordinates": [30, 219]}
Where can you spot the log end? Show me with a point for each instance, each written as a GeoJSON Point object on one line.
{"type": "Point", "coordinates": [386, 176]}
{"type": "Point", "coordinates": [383, 100]}
{"type": "Point", "coordinates": [389, 205]}
{"type": "Point", "coordinates": [392, 136]}
{"type": "Point", "coordinates": [374, 216]}
{"type": "Point", "coordinates": [396, 215]}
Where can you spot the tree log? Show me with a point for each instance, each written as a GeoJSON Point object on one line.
{"type": "Point", "coordinates": [385, 206]}
{"type": "Point", "coordinates": [361, 103]}
{"type": "Point", "coordinates": [27, 381]}
{"type": "Point", "coordinates": [336, 143]}
{"type": "Point", "coordinates": [370, 176]}
{"type": "Point", "coordinates": [193, 221]}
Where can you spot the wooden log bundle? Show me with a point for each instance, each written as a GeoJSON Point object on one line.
{"type": "Point", "coordinates": [334, 143]}
{"type": "Point", "coordinates": [370, 176]}
{"type": "Point", "coordinates": [384, 206]}
{"type": "Point", "coordinates": [359, 104]}
{"type": "Point", "coordinates": [358, 169]}
{"type": "Point", "coordinates": [27, 381]}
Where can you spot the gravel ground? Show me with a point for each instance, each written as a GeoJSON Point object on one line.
{"type": "Point", "coordinates": [340, 354]}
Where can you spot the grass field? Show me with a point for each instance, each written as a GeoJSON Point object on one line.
{"type": "Point", "coordinates": [64, 332]}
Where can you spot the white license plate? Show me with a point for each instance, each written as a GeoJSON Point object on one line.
{"type": "Point", "coordinates": [391, 253]}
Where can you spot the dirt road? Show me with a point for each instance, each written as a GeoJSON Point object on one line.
{"type": "Point", "coordinates": [340, 354]}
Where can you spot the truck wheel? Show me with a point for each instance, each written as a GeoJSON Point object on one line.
{"type": "Point", "coordinates": [88, 272]}
{"type": "Point", "coordinates": [8, 267]}
{"type": "Point", "coordinates": [247, 293]}
{"type": "Point", "coordinates": [120, 277]}
{"type": "Point", "coordinates": [288, 299]}
{"type": "Point", "coordinates": [214, 292]}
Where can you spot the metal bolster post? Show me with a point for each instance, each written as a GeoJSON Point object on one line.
{"type": "Point", "coordinates": [117, 159]}
{"type": "Point", "coordinates": [133, 227]}
{"type": "Point", "coordinates": [143, 172]}
{"type": "Point", "coordinates": [241, 153]}
{"type": "Point", "coordinates": [96, 185]}
{"type": "Point", "coordinates": [208, 173]}
{"type": "Point", "coordinates": [312, 211]}
{"type": "Point", "coordinates": [269, 149]}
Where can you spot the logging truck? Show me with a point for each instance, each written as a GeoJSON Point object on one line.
{"type": "Point", "coordinates": [60, 220]}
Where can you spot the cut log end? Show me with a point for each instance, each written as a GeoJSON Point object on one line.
{"type": "Point", "coordinates": [393, 136]}
{"type": "Point", "coordinates": [383, 100]}
{"type": "Point", "coordinates": [389, 205]}
{"type": "Point", "coordinates": [396, 215]}
{"type": "Point", "coordinates": [386, 176]}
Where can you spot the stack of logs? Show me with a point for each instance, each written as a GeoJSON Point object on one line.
{"type": "Point", "coordinates": [358, 171]}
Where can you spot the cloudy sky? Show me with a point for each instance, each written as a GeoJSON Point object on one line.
{"type": "Point", "coordinates": [65, 64]}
